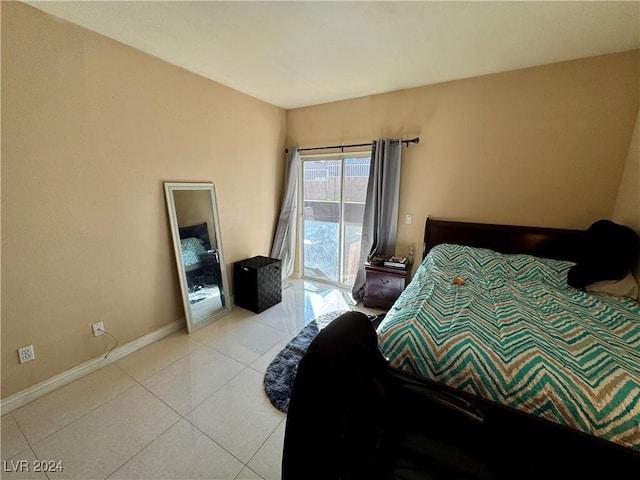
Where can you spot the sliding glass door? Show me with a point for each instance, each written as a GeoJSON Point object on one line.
{"type": "Point", "coordinates": [334, 189]}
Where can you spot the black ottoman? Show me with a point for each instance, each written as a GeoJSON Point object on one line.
{"type": "Point", "coordinates": [257, 283]}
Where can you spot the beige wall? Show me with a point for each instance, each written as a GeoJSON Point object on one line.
{"type": "Point", "coordinates": [543, 146]}
{"type": "Point", "coordinates": [627, 208]}
{"type": "Point", "coordinates": [91, 128]}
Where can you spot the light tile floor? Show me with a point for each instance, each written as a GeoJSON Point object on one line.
{"type": "Point", "coordinates": [187, 406]}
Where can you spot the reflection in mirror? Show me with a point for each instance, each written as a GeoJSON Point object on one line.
{"type": "Point", "coordinates": [196, 240]}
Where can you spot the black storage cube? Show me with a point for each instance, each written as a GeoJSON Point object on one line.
{"type": "Point", "coordinates": [257, 283]}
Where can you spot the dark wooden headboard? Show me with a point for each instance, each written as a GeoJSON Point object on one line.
{"type": "Point", "coordinates": [198, 231]}
{"type": "Point", "coordinates": [557, 243]}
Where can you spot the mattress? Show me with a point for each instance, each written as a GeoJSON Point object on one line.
{"type": "Point", "coordinates": [517, 334]}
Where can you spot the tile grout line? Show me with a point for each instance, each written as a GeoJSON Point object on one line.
{"type": "Point", "coordinates": [246, 464]}
{"type": "Point", "coordinates": [20, 428]}
{"type": "Point", "coordinates": [266, 440]}
{"type": "Point", "coordinates": [184, 417]}
{"type": "Point", "coordinates": [214, 441]}
{"type": "Point", "coordinates": [177, 360]}
{"type": "Point", "coordinates": [139, 382]}
{"type": "Point", "coordinates": [82, 416]}
{"type": "Point", "coordinates": [252, 470]}
{"type": "Point", "coordinates": [200, 403]}
{"type": "Point", "coordinates": [29, 446]}
{"type": "Point", "coordinates": [78, 418]}
{"type": "Point", "coordinates": [115, 364]}
{"type": "Point", "coordinates": [196, 344]}
{"type": "Point", "coordinates": [160, 434]}
{"type": "Point", "coordinates": [218, 389]}
{"type": "Point", "coordinates": [136, 382]}
{"type": "Point", "coordinates": [145, 447]}
{"type": "Point", "coordinates": [226, 355]}
{"type": "Point", "coordinates": [168, 365]}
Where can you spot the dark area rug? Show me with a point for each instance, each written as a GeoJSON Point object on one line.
{"type": "Point", "coordinates": [281, 372]}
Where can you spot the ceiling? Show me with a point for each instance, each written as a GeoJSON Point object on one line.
{"type": "Point", "coordinates": [294, 54]}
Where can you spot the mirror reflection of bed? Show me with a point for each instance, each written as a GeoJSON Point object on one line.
{"type": "Point", "coordinates": [202, 268]}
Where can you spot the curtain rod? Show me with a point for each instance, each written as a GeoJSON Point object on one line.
{"type": "Point", "coordinates": [342, 147]}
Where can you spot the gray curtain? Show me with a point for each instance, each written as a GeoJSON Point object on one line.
{"type": "Point", "coordinates": [284, 243]}
{"type": "Point", "coordinates": [380, 223]}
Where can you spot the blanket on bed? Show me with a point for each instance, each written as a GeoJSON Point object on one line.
{"type": "Point", "coordinates": [192, 248]}
{"type": "Point", "coordinates": [517, 334]}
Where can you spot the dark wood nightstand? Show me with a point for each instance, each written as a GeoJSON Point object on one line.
{"type": "Point", "coordinates": [383, 285]}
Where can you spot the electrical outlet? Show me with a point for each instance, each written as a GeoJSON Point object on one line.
{"type": "Point", "coordinates": [26, 354]}
{"type": "Point", "coordinates": [408, 219]}
{"type": "Point", "coordinates": [98, 329]}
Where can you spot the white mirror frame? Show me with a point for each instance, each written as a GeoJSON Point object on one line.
{"type": "Point", "coordinates": [169, 188]}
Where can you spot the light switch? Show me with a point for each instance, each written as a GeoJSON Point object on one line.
{"type": "Point", "coordinates": [408, 219]}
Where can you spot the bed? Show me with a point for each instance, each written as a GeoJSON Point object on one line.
{"type": "Point", "coordinates": [513, 344]}
{"type": "Point", "coordinates": [201, 262]}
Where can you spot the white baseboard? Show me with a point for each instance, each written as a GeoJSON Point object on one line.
{"type": "Point", "coordinates": [30, 394]}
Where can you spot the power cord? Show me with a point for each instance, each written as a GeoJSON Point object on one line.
{"type": "Point", "coordinates": [114, 337]}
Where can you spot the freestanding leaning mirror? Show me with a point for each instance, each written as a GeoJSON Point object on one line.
{"type": "Point", "coordinates": [195, 229]}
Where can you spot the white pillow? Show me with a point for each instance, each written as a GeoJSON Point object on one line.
{"type": "Point", "coordinates": [627, 287]}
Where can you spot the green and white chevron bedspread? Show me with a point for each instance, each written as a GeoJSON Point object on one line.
{"type": "Point", "coordinates": [517, 334]}
{"type": "Point", "coordinates": [191, 249]}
